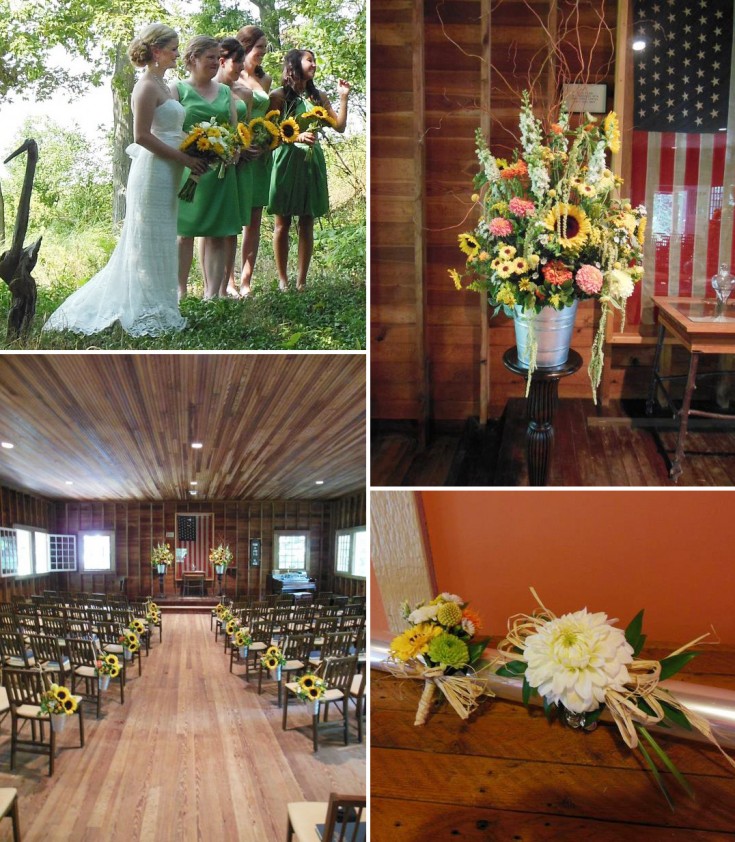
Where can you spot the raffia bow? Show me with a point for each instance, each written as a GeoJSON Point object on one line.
{"type": "Point", "coordinates": [460, 690]}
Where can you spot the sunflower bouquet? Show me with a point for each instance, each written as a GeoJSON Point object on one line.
{"type": "Point", "coordinates": [311, 688]}
{"type": "Point", "coordinates": [138, 626]}
{"type": "Point", "coordinates": [129, 641]}
{"type": "Point", "coordinates": [315, 121]}
{"type": "Point", "coordinates": [107, 665]}
{"type": "Point", "coordinates": [441, 648]}
{"type": "Point", "coordinates": [273, 658]}
{"type": "Point", "coordinates": [162, 554]}
{"type": "Point", "coordinates": [221, 554]}
{"type": "Point", "coordinates": [261, 132]}
{"type": "Point", "coordinates": [242, 638]}
{"type": "Point", "coordinates": [233, 624]}
{"type": "Point", "coordinates": [153, 614]}
{"type": "Point", "coordinates": [57, 699]}
{"type": "Point", "coordinates": [552, 227]}
{"type": "Point", "coordinates": [215, 143]}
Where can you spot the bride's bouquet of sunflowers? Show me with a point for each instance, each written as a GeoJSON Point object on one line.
{"type": "Point", "coordinates": [215, 143]}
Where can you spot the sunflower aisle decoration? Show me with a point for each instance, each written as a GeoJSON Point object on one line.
{"type": "Point", "coordinates": [107, 666]}
{"type": "Point", "coordinates": [552, 229]}
{"type": "Point", "coordinates": [273, 660]}
{"type": "Point", "coordinates": [311, 689]}
{"type": "Point", "coordinates": [581, 664]}
{"type": "Point", "coordinates": [440, 647]}
{"type": "Point", "coordinates": [58, 703]}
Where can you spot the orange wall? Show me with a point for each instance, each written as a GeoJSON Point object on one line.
{"type": "Point", "coordinates": [670, 552]}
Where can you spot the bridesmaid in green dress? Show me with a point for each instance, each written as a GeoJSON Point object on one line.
{"type": "Point", "coordinates": [259, 82]}
{"type": "Point", "coordinates": [231, 55]}
{"type": "Point", "coordinates": [297, 188]}
{"type": "Point", "coordinates": [215, 212]}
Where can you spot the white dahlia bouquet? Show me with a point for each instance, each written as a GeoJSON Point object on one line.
{"type": "Point", "coordinates": [441, 648]}
{"type": "Point", "coordinates": [581, 665]}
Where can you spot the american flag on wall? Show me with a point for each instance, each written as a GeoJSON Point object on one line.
{"type": "Point", "coordinates": [194, 534]}
{"type": "Point", "coordinates": [683, 156]}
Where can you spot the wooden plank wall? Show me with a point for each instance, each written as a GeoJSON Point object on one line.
{"type": "Point", "coordinates": [457, 56]}
{"type": "Point", "coordinates": [139, 526]}
{"type": "Point", "coordinates": [397, 363]}
{"type": "Point", "coordinates": [22, 508]}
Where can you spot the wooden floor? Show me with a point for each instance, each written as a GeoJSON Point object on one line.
{"type": "Point", "coordinates": [507, 774]}
{"type": "Point", "coordinates": [193, 754]}
{"type": "Point", "coordinates": [617, 447]}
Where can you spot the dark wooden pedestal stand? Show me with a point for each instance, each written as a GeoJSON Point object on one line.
{"type": "Point", "coordinates": [542, 400]}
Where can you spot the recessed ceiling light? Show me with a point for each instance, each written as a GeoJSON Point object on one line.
{"type": "Point", "coordinates": [193, 482]}
{"type": "Point", "coordinates": [7, 445]}
{"type": "Point", "coordinates": [639, 45]}
{"type": "Point", "coordinates": [197, 445]}
{"type": "Point", "coordinates": [319, 482]}
{"type": "Point", "coordinates": [68, 482]}
{"type": "Point", "coordinates": [192, 491]}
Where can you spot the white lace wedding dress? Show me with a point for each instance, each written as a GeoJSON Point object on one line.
{"type": "Point", "coordinates": [138, 287]}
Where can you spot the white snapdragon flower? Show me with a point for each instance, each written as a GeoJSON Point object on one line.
{"type": "Point", "coordinates": [575, 658]}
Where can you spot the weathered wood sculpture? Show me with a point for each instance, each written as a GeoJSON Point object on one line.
{"type": "Point", "coordinates": [17, 263]}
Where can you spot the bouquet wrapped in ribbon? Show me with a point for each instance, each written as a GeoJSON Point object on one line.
{"type": "Point", "coordinates": [440, 647]}
{"type": "Point", "coordinates": [215, 143]}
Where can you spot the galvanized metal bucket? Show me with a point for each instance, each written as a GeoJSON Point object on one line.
{"type": "Point", "coordinates": [550, 329]}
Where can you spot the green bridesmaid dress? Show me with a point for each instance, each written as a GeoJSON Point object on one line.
{"type": "Point", "coordinates": [215, 210]}
{"type": "Point", "coordinates": [298, 186]}
{"type": "Point", "coordinates": [261, 166]}
{"type": "Point", "coordinates": [244, 172]}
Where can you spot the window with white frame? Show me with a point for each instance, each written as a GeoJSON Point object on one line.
{"type": "Point", "coordinates": [291, 549]}
{"type": "Point", "coordinates": [97, 550]}
{"type": "Point", "coordinates": [351, 552]}
{"type": "Point", "coordinates": [8, 551]}
{"type": "Point", "coordinates": [33, 550]}
{"type": "Point", "coordinates": [62, 553]}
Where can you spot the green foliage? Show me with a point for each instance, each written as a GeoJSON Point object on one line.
{"type": "Point", "coordinates": [670, 666]}
{"type": "Point", "coordinates": [634, 633]}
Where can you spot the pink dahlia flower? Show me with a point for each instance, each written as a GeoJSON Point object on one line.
{"type": "Point", "coordinates": [589, 279]}
{"type": "Point", "coordinates": [500, 227]}
{"type": "Point", "coordinates": [521, 207]}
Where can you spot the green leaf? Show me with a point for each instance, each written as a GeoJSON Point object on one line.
{"type": "Point", "coordinates": [670, 666]}
{"type": "Point", "coordinates": [527, 691]}
{"type": "Point", "coordinates": [634, 632]}
{"type": "Point", "coordinates": [476, 650]}
{"type": "Point", "coordinates": [645, 707]}
{"type": "Point", "coordinates": [593, 716]}
{"type": "Point", "coordinates": [516, 667]}
{"type": "Point", "coordinates": [505, 672]}
{"type": "Point", "coordinates": [683, 782]}
{"type": "Point", "coordinates": [656, 774]}
{"type": "Point", "coordinates": [676, 716]}
{"type": "Point", "coordinates": [549, 709]}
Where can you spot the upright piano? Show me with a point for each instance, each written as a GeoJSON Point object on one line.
{"type": "Point", "coordinates": [290, 582]}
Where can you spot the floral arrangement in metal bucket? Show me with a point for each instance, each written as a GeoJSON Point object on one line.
{"type": "Point", "coordinates": [440, 647]}
{"type": "Point", "coordinates": [581, 665]}
{"type": "Point", "coordinates": [162, 554]}
{"type": "Point", "coordinates": [552, 227]}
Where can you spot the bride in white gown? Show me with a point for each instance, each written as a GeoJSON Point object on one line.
{"type": "Point", "coordinates": [138, 286]}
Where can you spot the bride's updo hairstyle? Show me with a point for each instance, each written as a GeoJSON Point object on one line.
{"type": "Point", "coordinates": [141, 47]}
{"type": "Point", "coordinates": [197, 46]}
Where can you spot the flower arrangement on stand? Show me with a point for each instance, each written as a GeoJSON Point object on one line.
{"type": "Point", "coordinates": [552, 229]}
{"type": "Point", "coordinates": [162, 554]}
{"type": "Point", "coordinates": [221, 557]}
{"type": "Point", "coordinates": [441, 648]}
{"type": "Point", "coordinates": [580, 664]}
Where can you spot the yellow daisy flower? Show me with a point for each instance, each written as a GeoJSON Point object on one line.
{"type": "Point", "coordinates": [520, 265]}
{"type": "Point", "coordinates": [505, 270]}
{"type": "Point", "coordinates": [506, 296]}
{"type": "Point", "coordinates": [414, 641]}
{"type": "Point", "coordinates": [506, 252]}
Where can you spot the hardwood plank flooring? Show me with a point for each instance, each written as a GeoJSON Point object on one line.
{"type": "Point", "coordinates": [509, 774]}
{"type": "Point", "coordinates": [618, 447]}
{"type": "Point", "coordinates": [193, 754]}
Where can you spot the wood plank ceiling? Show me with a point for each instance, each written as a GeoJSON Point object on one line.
{"type": "Point", "coordinates": [120, 427]}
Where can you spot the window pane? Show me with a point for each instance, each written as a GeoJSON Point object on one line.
{"type": "Point", "coordinates": [25, 553]}
{"type": "Point", "coordinates": [344, 545]}
{"type": "Point", "coordinates": [360, 565]}
{"type": "Point", "coordinates": [41, 540]}
{"type": "Point", "coordinates": [96, 552]}
{"type": "Point", "coordinates": [8, 551]}
{"type": "Point", "coordinates": [292, 552]}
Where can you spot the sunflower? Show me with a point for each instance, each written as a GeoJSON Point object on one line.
{"type": "Point", "coordinates": [307, 681]}
{"type": "Point", "coordinates": [320, 112]}
{"type": "Point", "coordinates": [62, 694]}
{"type": "Point", "coordinates": [231, 627]}
{"type": "Point", "coordinates": [70, 705]}
{"type": "Point", "coordinates": [203, 144]}
{"type": "Point", "coordinates": [612, 132]}
{"type": "Point", "coordinates": [111, 660]}
{"type": "Point", "coordinates": [132, 645]}
{"type": "Point", "coordinates": [274, 133]}
{"type": "Point", "coordinates": [272, 650]}
{"type": "Point", "coordinates": [642, 231]}
{"type": "Point", "coordinates": [114, 672]}
{"type": "Point", "coordinates": [289, 130]}
{"type": "Point", "coordinates": [152, 606]}
{"type": "Point", "coordinates": [245, 134]}
{"type": "Point", "coordinates": [271, 663]}
{"type": "Point", "coordinates": [313, 692]}
{"type": "Point", "coordinates": [192, 138]}
{"type": "Point", "coordinates": [570, 223]}
{"type": "Point", "coordinates": [469, 245]}
{"type": "Point", "coordinates": [271, 114]}
{"type": "Point", "coordinates": [138, 626]}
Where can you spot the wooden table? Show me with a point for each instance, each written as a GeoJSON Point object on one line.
{"type": "Point", "coordinates": [695, 325]}
{"type": "Point", "coordinates": [507, 774]}
{"type": "Point", "coordinates": [543, 397]}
